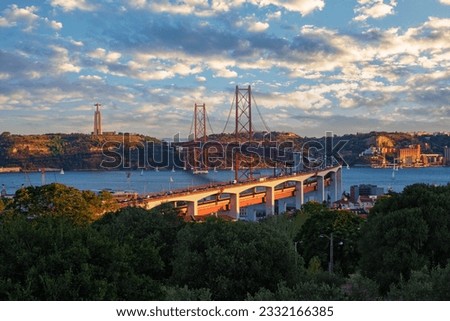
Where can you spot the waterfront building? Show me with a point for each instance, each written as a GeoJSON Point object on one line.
{"type": "Point", "coordinates": [409, 156]}
{"type": "Point", "coordinates": [15, 169]}
{"type": "Point", "coordinates": [368, 190]}
{"type": "Point", "coordinates": [446, 156]}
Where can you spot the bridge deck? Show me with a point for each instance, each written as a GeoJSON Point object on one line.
{"type": "Point", "coordinates": [216, 197]}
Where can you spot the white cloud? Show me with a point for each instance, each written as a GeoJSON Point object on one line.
{"type": "Point", "coordinates": [98, 53]}
{"type": "Point", "coordinates": [77, 43]}
{"type": "Point", "coordinates": [113, 57]}
{"type": "Point", "coordinates": [4, 22]}
{"type": "Point", "coordinates": [446, 2]}
{"type": "Point", "coordinates": [54, 24]}
{"type": "Point", "coordinates": [108, 57]}
{"type": "Point", "coordinates": [252, 24]}
{"type": "Point", "coordinates": [374, 9]}
{"type": "Point", "coordinates": [61, 61]}
{"type": "Point", "coordinates": [138, 4]}
{"type": "Point", "coordinates": [226, 73]}
{"type": "Point", "coordinates": [14, 16]}
{"type": "Point", "coordinates": [304, 7]}
{"type": "Point", "coordinates": [258, 26]}
{"type": "Point", "coordinates": [274, 15]}
{"type": "Point", "coordinates": [70, 5]}
{"type": "Point", "coordinates": [91, 78]}
{"type": "Point", "coordinates": [211, 8]}
{"type": "Point", "coordinates": [26, 18]}
{"type": "Point", "coordinates": [161, 65]}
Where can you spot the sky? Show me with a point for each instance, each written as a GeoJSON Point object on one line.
{"type": "Point", "coordinates": [344, 66]}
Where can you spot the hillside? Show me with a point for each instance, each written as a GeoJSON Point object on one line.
{"type": "Point", "coordinates": [68, 151]}
{"type": "Point", "coordinates": [84, 152]}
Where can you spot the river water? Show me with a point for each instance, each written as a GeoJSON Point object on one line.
{"type": "Point", "coordinates": [164, 180]}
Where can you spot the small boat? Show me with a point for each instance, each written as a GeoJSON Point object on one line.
{"type": "Point", "coordinates": [142, 172]}
{"type": "Point", "coordinates": [156, 169]}
{"type": "Point", "coordinates": [199, 171]}
{"type": "Point", "coordinates": [173, 169]}
{"type": "Point", "coordinates": [62, 171]}
{"type": "Point", "coordinates": [215, 169]}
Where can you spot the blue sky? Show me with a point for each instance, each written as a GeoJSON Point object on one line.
{"type": "Point", "coordinates": [314, 65]}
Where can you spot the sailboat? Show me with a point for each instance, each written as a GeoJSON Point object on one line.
{"type": "Point", "coordinates": [173, 169]}
{"type": "Point", "coordinates": [142, 172]}
{"type": "Point", "coordinates": [156, 169]}
{"type": "Point", "coordinates": [394, 169]}
{"type": "Point", "coordinates": [61, 172]}
{"type": "Point", "coordinates": [215, 169]}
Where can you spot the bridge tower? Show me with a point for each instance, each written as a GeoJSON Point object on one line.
{"type": "Point", "coordinates": [243, 130]}
{"type": "Point", "coordinates": [200, 137]}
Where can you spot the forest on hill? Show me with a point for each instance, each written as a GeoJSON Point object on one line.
{"type": "Point", "coordinates": [59, 243]}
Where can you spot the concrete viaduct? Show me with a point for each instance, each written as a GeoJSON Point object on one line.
{"type": "Point", "coordinates": [231, 198]}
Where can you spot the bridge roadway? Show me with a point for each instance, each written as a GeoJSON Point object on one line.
{"type": "Point", "coordinates": [228, 198]}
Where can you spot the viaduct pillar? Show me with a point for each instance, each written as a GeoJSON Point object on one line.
{"type": "Point", "coordinates": [234, 206]}
{"type": "Point", "coordinates": [338, 183]}
{"type": "Point", "coordinates": [299, 195]}
{"type": "Point", "coordinates": [270, 201]}
{"type": "Point", "coordinates": [192, 208]}
{"type": "Point", "coordinates": [320, 188]}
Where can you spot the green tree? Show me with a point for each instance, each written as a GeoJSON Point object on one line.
{"type": "Point", "coordinates": [423, 285]}
{"type": "Point", "coordinates": [56, 145]}
{"type": "Point", "coordinates": [234, 258]}
{"type": "Point", "coordinates": [313, 238]}
{"type": "Point", "coordinates": [57, 200]}
{"type": "Point", "coordinates": [434, 205]}
{"type": "Point", "coordinates": [418, 287]}
{"type": "Point", "coordinates": [314, 265]}
{"type": "Point", "coordinates": [144, 231]}
{"type": "Point", "coordinates": [391, 246]}
{"type": "Point", "coordinates": [308, 290]}
{"type": "Point", "coordinates": [51, 258]}
{"type": "Point", "coordinates": [360, 288]}
{"type": "Point", "coordinates": [176, 293]}
{"type": "Point", "coordinates": [406, 232]}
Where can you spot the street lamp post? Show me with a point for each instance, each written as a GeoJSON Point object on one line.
{"type": "Point", "coordinates": [330, 263]}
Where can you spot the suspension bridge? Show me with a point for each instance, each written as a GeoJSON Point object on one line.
{"type": "Point", "coordinates": [246, 197]}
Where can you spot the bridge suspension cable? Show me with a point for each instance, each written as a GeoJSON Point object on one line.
{"type": "Point", "coordinates": [266, 127]}
{"type": "Point", "coordinates": [229, 115]}
{"type": "Point", "coordinates": [209, 123]}
{"type": "Point", "coordinates": [192, 126]}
